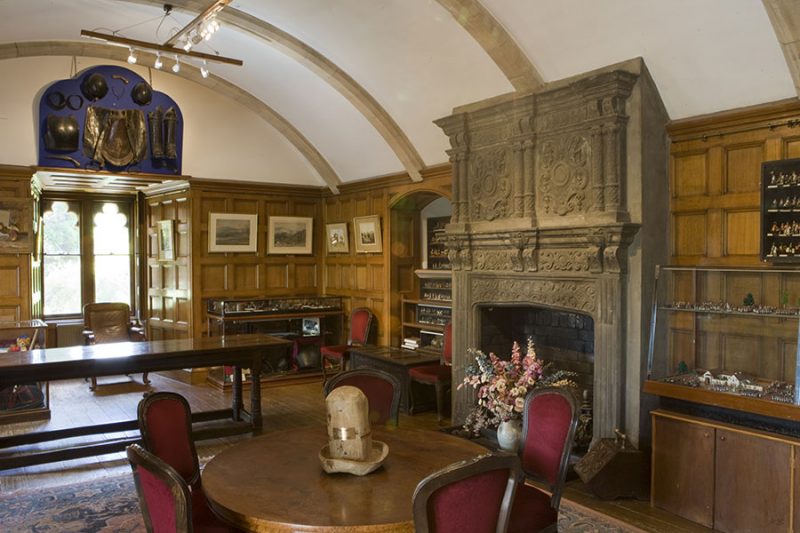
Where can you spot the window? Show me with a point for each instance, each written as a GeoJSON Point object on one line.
{"type": "Point", "coordinates": [88, 253]}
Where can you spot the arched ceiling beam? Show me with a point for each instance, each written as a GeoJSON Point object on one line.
{"type": "Point", "coordinates": [785, 18]}
{"type": "Point", "coordinates": [496, 41]}
{"type": "Point", "coordinates": [325, 69]}
{"type": "Point", "coordinates": [215, 83]}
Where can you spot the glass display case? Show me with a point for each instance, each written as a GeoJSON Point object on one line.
{"type": "Point", "coordinates": [726, 337]}
{"type": "Point", "coordinates": [24, 401]}
{"type": "Point", "coordinates": [780, 211]}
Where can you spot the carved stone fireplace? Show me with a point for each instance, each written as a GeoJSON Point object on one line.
{"type": "Point", "coordinates": [560, 202]}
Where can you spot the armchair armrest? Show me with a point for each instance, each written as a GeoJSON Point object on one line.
{"type": "Point", "coordinates": [88, 336]}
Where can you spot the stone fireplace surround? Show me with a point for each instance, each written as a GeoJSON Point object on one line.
{"type": "Point", "coordinates": [560, 201]}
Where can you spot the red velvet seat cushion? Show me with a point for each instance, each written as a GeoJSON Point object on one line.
{"type": "Point", "coordinates": [531, 511]}
{"type": "Point", "coordinates": [169, 434]}
{"type": "Point", "coordinates": [334, 352]}
{"type": "Point", "coordinates": [159, 500]}
{"type": "Point", "coordinates": [472, 504]}
{"type": "Point", "coordinates": [431, 373]}
{"type": "Point", "coordinates": [379, 393]}
{"type": "Point", "coordinates": [549, 419]}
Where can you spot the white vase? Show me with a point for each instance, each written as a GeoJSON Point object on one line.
{"type": "Point", "coordinates": [509, 434]}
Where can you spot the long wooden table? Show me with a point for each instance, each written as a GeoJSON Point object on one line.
{"type": "Point", "coordinates": [275, 482]}
{"type": "Point", "coordinates": [239, 351]}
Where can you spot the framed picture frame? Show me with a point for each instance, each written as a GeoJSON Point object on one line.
{"type": "Point", "coordinates": [16, 226]}
{"type": "Point", "coordinates": [232, 232]}
{"type": "Point", "coordinates": [336, 238]}
{"type": "Point", "coordinates": [165, 239]}
{"type": "Point", "coordinates": [290, 235]}
{"type": "Point", "coordinates": [367, 231]}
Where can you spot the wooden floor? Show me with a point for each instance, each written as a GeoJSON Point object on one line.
{"type": "Point", "coordinates": [72, 404]}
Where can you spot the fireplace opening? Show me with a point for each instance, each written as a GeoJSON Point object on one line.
{"type": "Point", "coordinates": [564, 339]}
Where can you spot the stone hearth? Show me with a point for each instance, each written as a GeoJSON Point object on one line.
{"type": "Point", "coordinates": [560, 201]}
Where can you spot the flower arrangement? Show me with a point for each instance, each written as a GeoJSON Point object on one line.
{"type": "Point", "coordinates": [502, 385]}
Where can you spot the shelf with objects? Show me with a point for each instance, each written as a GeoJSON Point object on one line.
{"type": "Point", "coordinates": [423, 323]}
{"type": "Point", "coordinates": [727, 338]}
{"type": "Point", "coordinates": [435, 245]}
{"type": "Point", "coordinates": [780, 211]}
{"type": "Point", "coordinates": [23, 402]}
{"type": "Point", "coordinates": [309, 321]}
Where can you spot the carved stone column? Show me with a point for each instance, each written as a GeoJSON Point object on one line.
{"type": "Point", "coordinates": [528, 165]}
{"type": "Point", "coordinates": [519, 178]}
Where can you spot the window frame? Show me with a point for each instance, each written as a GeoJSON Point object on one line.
{"type": "Point", "coordinates": [88, 204]}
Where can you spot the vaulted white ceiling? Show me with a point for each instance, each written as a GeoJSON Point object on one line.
{"type": "Point", "coordinates": [354, 85]}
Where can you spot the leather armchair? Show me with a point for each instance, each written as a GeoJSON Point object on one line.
{"type": "Point", "coordinates": [110, 322]}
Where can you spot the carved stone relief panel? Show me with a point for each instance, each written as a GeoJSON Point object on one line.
{"type": "Point", "coordinates": [579, 295]}
{"type": "Point", "coordinates": [490, 188]}
{"type": "Point", "coordinates": [563, 172]}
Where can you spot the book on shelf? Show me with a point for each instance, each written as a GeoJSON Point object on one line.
{"type": "Point", "coordinates": [411, 343]}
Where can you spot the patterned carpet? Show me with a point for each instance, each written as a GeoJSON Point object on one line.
{"type": "Point", "coordinates": [107, 505]}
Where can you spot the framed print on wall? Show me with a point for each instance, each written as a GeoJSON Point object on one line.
{"type": "Point", "coordinates": [165, 238]}
{"type": "Point", "coordinates": [367, 232]}
{"type": "Point", "coordinates": [231, 232]}
{"type": "Point", "coordinates": [289, 235]}
{"type": "Point", "coordinates": [336, 238]}
{"type": "Point", "coordinates": [16, 226]}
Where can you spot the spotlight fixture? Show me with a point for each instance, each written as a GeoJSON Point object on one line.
{"type": "Point", "coordinates": [177, 66]}
{"type": "Point", "coordinates": [132, 56]}
{"type": "Point", "coordinates": [158, 63]}
{"type": "Point", "coordinates": [204, 69]}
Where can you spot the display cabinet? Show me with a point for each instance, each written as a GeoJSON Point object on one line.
{"type": "Point", "coordinates": [309, 321]}
{"type": "Point", "coordinates": [780, 211]}
{"type": "Point", "coordinates": [423, 324]}
{"type": "Point", "coordinates": [24, 401]}
{"type": "Point", "coordinates": [436, 248]}
{"type": "Point", "coordinates": [726, 337]}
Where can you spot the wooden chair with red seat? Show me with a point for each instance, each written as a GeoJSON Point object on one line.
{"type": "Point", "coordinates": [550, 418]}
{"type": "Point", "coordinates": [439, 375]}
{"type": "Point", "coordinates": [165, 498]}
{"type": "Point", "coordinates": [110, 322]}
{"type": "Point", "coordinates": [360, 326]}
{"type": "Point", "coordinates": [471, 495]}
{"type": "Point", "coordinates": [165, 422]}
{"type": "Point", "coordinates": [381, 389]}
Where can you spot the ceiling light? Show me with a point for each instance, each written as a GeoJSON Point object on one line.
{"type": "Point", "coordinates": [158, 63]}
{"type": "Point", "coordinates": [204, 69]}
{"type": "Point", "coordinates": [177, 66]}
{"type": "Point", "coordinates": [131, 56]}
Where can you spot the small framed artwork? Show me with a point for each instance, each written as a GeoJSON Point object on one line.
{"type": "Point", "coordinates": [230, 232]}
{"type": "Point", "coordinates": [368, 234]}
{"type": "Point", "coordinates": [289, 235]}
{"type": "Point", "coordinates": [311, 327]}
{"type": "Point", "coordinates": [16, 226]}
{"type": "Point", "coordinates": [165, 238]}
{"type": "Point", "coordinates": [337, 238]}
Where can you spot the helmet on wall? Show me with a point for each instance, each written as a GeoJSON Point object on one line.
{"type": "Point", "coordinates": [141, 93]}
{"type": "Point", "coordinates": [94, 87]}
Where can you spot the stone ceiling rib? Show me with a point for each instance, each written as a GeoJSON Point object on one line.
{"type": "Point", "coordinates": [326, 70]}
{"type": "Point", "coordinates": [496, 41]}
{"type": "Point", "coordinates": [785, 18]}
{"type": "Point", "coordinates": [215, 83]}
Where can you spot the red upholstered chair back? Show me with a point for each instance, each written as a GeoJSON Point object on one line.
{"type": "Point", "coordinates": [109, 322]}
{"type": "Point", "coordinates": [360, 324]}
{"type": "Point", "coordinates": [447, 345]}
{"type": "Point", "coordinates": [165, 421]}
{"type": "Point", "coordinates": [381, 389]}
{"type": "Point", "coordinates": [549, 422]}
{"type": "Point", "coordinates": [471, 495]}
{"type": "Point", "coordinates": [164, 498]}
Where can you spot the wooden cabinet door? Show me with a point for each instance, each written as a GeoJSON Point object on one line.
{"type": "Point", "coordinates": [683, 469]}
{"type": "Point", "coordinates": [753, 483]}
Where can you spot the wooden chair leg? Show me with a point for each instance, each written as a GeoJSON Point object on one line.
{"type": "Point", "coordinates": [439, 400]}
{"type": "Point", "coordinates": [144, 378]}
{"type": "Point", "coordinates": [93, 386]}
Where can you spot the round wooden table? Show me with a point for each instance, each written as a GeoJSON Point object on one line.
{"type": "Point", "coordinates": [275, 482]}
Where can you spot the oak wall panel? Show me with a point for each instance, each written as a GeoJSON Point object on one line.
{"type": "Point", "coordinates": [690, 175]}
{"type": "Point", "coordinates": [690, 234]}
{"type": "Point", "coordinates": [277, 275]}
{"type": "Point", "coordinates": [743, 168]}
{"type": "Point", "coordinates": [739, 237]}
{"type": "Point", "coordinates": [16, 289]}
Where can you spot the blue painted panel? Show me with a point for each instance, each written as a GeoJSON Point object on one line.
{"type": "Point", "coordinates": [72, 98]}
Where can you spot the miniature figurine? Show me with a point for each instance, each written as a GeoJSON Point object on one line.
{"type": "Point", "coordinates": [749, 301]}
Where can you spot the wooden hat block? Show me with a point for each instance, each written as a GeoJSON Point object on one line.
{"type": "Point", "coordinates": [613, 469]}
{"type": "Point", "coordinates": [350, 447]}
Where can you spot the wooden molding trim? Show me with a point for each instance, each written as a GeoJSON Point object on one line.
{"type": "Point", "coordinates": [735, 120]}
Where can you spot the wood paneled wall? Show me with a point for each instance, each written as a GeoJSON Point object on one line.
{"type": "Point", "coordinates": [16, 302]}
{"type": "Point", "coordinates": [715, 172]}
{"type": "Point", "coordinates": [367, 279]}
